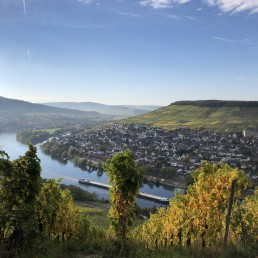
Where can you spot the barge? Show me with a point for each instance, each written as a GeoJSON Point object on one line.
{"type": "Point", "coordinates": [142, 195]}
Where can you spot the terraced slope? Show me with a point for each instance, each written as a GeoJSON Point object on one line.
{"type": "Point", "coordinates": [216, 118]}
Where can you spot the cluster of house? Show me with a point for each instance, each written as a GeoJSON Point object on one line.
{"type": "Point", "coordinates": [181, 149]}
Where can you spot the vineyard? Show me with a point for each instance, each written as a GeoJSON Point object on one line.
{"type": "Point", "coordinates": [229, 118]}
{"type": "Point", "coordinates": [40, 219]}
{"type": "Point", "coordinates": [201, 217]}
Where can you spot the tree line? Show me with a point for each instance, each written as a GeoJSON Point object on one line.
{"type": "Point", "coordinates": [217, 103]}
{"type": "Point", "coordinates": [32, 136]}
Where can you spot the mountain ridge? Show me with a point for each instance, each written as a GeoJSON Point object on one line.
{"type": "Point", "coordinates": [21, 107]}
{"type": "Point", "coordinates": [114, 110]}
{"type": "Point", "coordinates": [18, 115]}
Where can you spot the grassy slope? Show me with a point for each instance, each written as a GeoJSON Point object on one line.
{"type": "Point", "coordinates": [196, 117]}
{"type": "Point", "coordinates": [97, 216]}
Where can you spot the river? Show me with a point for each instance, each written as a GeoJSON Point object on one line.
{"type": "Point", "coordinates": [70, 174]}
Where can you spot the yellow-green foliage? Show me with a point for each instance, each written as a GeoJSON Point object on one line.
{"type": "Point", "coordinates": [126, 179]}
{"type": "Point", "coordinates": [198, 217]}
{"type": "Point", "coordinates": [58, 216]}
{"type": "Point", "coordinates": [245, 219]}
{"type": "Point", "coordinates": [197, 117]}
{"type": "Point", "coordinates": [19, 188]}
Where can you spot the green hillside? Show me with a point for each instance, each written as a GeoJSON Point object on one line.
{"type": "Point", "coordinates": [17, 115]}
{"type": "Point", "coordinates": [14, 106]}
{"type": "Point", "coordinates": [211, 115]}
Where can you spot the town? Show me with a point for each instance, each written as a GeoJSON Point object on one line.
{"type": "Point", "coordinates": [170, 154]}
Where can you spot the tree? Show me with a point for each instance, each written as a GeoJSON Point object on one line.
{"type": "Point", "coordinates": [126, 179]}
{"type": "Point", "coordinates": [20, 186]}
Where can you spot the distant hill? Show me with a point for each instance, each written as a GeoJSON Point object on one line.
{"type": "Point", "coordinates": [24, 107]}
{"type": "Point", "coordinates": [18, 114]}
{"type": "Point", "coordinates": [207, 114]}
{"type": "Point", "coordinates": [113, 110]}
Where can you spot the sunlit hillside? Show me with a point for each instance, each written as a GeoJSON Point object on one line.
{"type": "Point", "coordinates": [186, 115]}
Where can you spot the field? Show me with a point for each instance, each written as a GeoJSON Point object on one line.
{"type": "Point", "coordinates": [96, 212]}
{"type": "Point", "coordinates": [222, 119]}
{"type": "Point", "coordinates": [51, 130]}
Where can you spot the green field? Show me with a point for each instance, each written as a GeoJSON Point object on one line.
{"type": "Point", "coordinates": [51, 130]}
{"type": "Point", "coordinates": [223, 119]}
{"type": "Point", "coordinates": [98, 216]}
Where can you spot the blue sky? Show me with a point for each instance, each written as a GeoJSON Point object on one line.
{"type": "Point", "coordinates": [128, 51]}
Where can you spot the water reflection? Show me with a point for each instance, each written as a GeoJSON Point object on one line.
{"type": "Point", "coordinates": [56, 168]}
{"type": "Point", "coordinates": [100, 173]}
{"type": "Point", "coordinates": [62, 161]}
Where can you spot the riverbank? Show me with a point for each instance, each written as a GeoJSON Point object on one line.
{"type": "Point", "coordinates": [90, 165]}
{"type": "Point", "coordinates": [55, 151]}
{"type": "Point", "coordinates": [69, 173]}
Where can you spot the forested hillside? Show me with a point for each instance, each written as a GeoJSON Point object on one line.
{"type": "Point", "coordinates": [217, 103]}
{"type": "Point", "coordinates": [24, 107]}
{"type": "Point", "coordinates": [17, 114]}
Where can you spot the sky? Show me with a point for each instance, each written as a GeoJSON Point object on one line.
{"type": "Point", "coordinates": [138, 52]}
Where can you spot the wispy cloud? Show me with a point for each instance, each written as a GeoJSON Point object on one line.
{"type": "Point", "coordinates": [29, 54]}
{"type": "Point", "coordinates": [192, 18]}
{"type": "Point", "coordinates": [24, 6]}
{"type": "Point", "coordinates": [234, 6]}
{"type": "Point", "coordinates": [175, 17]}
{"type": "Point", "coordinates": [183, 18]}
{"type": "Point", "coordinates": [247, 42]}
{"type": "Point", "coordinates": [226, 6]}
{"type": "Point", "coordinates": [255, 10]}
{"type": "Point", "coordinates": [133, 15]}
{"type": "Point", "coordinates": [86, 1]}
{"type": "Point", "coordinates": [226, 40]}
{"type": "Point", "coordinates": [242, 41]}
{"type": "Point", "coordinates": [159, 4]}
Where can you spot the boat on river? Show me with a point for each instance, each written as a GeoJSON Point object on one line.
{"type": "Point", "coordinates": [142, 195]}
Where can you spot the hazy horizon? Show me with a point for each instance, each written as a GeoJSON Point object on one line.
{"type": "Point", "coordinates": [122, 104]}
